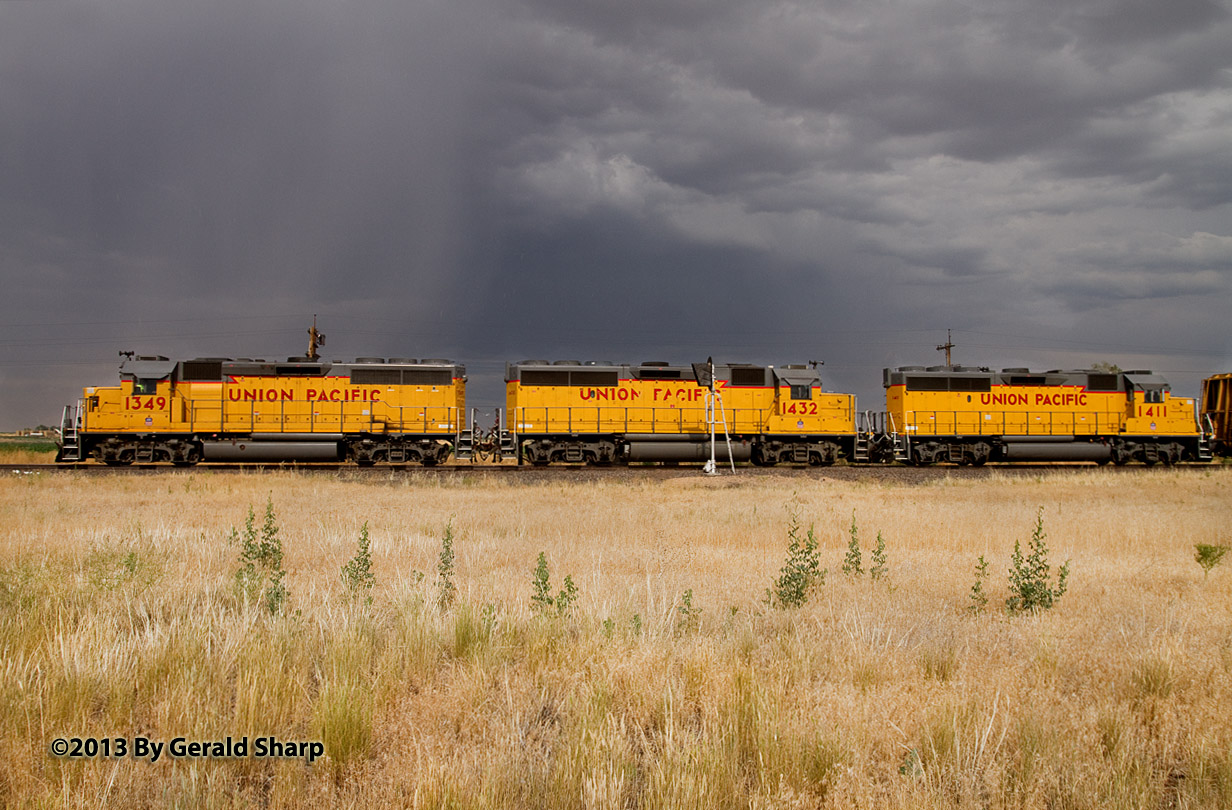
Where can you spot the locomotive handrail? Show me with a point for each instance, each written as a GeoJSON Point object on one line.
{"type": "Point", "coordinates": [1017, 423]}
{"type": "Point", "coordinates": [642, 419]}
{"type": "Point", "coordinates": [331, 421]}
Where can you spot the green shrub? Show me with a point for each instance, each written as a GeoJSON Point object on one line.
{"type": "Point", "coordinates": [260, 575]}
{"type": "Point", "coordinates": [1030, 577]}
{"type": "Point", "coordinates": [801, 573]}
{"type": "Point", "coordinates": [1208, 556]}
{"type": "Point", "coordinates": [853, 563]}
{"type": "Point", "coordinates": [447, 591]}
{"type": "Point", "coordinates": [357, 573]}
{"type": "Point", "coordinates": [880, 567]}
{"type": "Point", "coordinates": [978, 596]}
{"type": "Point", "coordinates": [688, 615]}
{"type": "Point", "coordinates": [541, 599]}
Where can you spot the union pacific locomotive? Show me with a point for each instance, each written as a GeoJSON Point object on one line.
{"type": "Point", "coordinates": [974, 415]}
{"type": "Point", "coordinates": [402, 410]}
{"type": "Point", "coordinates": [659, 412]}
{"type": "Point", "coordinates": [222, 409]}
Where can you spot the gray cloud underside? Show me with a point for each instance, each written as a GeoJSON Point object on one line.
{"type": "Point", "coordinates": [598, 177]}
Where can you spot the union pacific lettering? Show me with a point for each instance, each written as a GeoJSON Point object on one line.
{"type": "Point", "coordinates": [610, 394]}
{"type": "Point", "coordinates": [313, 395]}
{"type": "Point", "coordinates": [1062, 399]}
{"type": "Point", "coordinates": [673, 395]}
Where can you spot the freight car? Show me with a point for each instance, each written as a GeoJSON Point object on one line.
{"type": "Point", "coordinates": [1217, 411]}
{"type": "Point", "coordinates": [600, 413]}
{"type": "Point", "coordinates": [969, 415]}
{"type": "Point", "coordinates": [303, 409]}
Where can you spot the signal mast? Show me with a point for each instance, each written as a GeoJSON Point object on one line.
{"type": "Point", "coordinates": [315, 339]}
{"type": "Point", "coordinates": [945, 347]}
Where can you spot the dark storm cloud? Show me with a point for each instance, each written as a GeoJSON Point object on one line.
{"type": "Point", "coordinates": [776, 181]}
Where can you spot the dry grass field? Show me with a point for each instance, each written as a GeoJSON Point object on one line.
{"type": "Point", "coordinates": [120, 618]}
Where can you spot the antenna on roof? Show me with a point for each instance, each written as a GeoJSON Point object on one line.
{"type": "Point", "coordinates": [945, 347]}
{"type": "Point", "coordinates": [315, 339]}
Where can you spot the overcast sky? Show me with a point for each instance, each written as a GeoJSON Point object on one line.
{"type": "Point", "coordinates": [624, 180]}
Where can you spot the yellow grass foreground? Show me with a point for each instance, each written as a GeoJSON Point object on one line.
{"type": "Point", "coordinates": [120, 618]}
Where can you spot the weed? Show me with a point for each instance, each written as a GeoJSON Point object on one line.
{"type": "Point", "coordinates": [1208, 556]}
{"type": "Point", "coordinates": [853, 563]}
{"type": "Point", "coordinates": [260, 576]}
{"type": "Point", "coordinates": [880, 568]}
{"type": "Point", "coordinates": [979, 596]}
{"type": "Point", "coordinates": [447, 591]}
{"type": "Point", "coordinates": [688, 615]}
{"type": "Point", "coordinates": [541, 595]}
{"type": "Point", "coordinates": [566, 597]}
{"type": "Point", "coordinates": [1030, 578]}
{"type": "Point", "coordinates": [541, 599]}
{"type": "Point", "coordinates": [357, 573]}
{"type": "Point", "coordinates": [801, 573]}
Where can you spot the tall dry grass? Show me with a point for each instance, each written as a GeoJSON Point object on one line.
{"type": "Point", "coordinates": [118, 617]}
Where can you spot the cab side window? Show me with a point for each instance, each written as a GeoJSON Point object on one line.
{"type": "Point", "coordinates": [802, 392]}
{"type": "Point", "coordinates": [144, 387]}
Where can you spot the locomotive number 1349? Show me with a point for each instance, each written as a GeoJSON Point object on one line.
{"type": "Point", "coordinates": [145, 403]}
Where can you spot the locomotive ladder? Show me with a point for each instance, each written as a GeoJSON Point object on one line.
{"type": "Point", "coordinates": [507, 440]}
{"type": "Point", "coordinates": [464, 447]}
{"type": "Point", "coordinates": [864, 430]}
{"type": "Point", "coordinates": [1204, 440]}
{"type": "Point", "coordinates": [70, 443]}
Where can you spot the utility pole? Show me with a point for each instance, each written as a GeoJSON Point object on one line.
{"type": "Point", "coordinates": [945, 347]}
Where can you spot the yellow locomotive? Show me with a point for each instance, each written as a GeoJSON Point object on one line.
{"type": "Point", "coordinates": [597, 413]}
{"type": "Point", "coordinates": [304, 409]}
{"type": "Point", "coordinates": [971, 415]}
